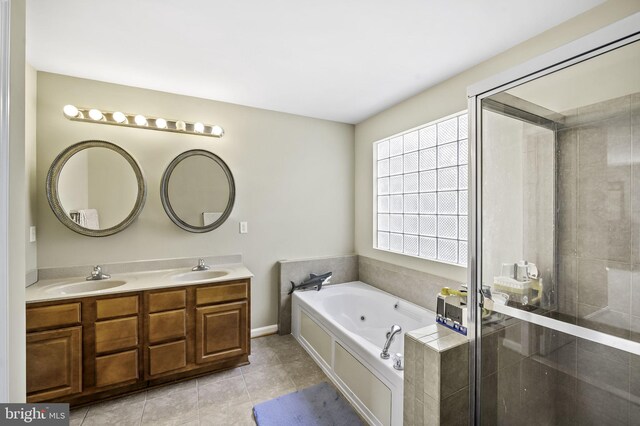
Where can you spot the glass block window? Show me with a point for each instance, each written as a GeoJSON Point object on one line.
{"type": "Point", "coordinates": [421, 191]}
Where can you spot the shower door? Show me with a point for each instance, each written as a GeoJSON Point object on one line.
{"type": "Point", "coordinates": [555, 267]}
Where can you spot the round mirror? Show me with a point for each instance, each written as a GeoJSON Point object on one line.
{"type": "Point", "coordinates": [198, 191]}
{"type": "Point", "coordinates": [96, 188]}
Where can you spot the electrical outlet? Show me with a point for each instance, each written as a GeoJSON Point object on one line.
{"type": "Point", "coordinates": [32, 234]}
{"type": "Point", "coordinates": [244, 228]}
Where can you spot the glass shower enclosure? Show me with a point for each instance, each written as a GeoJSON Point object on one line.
{"type": "Point", "coordinates": [555, 254]}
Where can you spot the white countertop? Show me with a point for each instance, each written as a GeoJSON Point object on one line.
{"type": "Point", "coordinates": [50, 290]}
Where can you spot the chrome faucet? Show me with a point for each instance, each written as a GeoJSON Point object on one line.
{"type": "Point", "coordinates": [395, 329]}
{"type": "Point", "coordinates": [97, 274]}
{"type": "Point", "coordinates": [201, 266]}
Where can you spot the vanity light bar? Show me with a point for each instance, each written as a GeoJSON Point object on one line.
{"type": "Point", "coordinates": [117, 118]}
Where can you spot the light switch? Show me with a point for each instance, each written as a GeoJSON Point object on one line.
{"type": "Point", "coordinates": [244, 228]}
{"type": "Point", "coordinates": [32, 234]}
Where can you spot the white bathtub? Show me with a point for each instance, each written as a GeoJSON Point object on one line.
{"type": "Point", "coordinates": [344, 327]}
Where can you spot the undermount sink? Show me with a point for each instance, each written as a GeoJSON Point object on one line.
{"type": "Point", "coordinates": [85, 286]}
{"type": "Point", "coordinates": [193, 276]}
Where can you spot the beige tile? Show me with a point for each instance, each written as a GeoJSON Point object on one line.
{"type": "Point", "coordinates": [117, 404]}
{"type": "Point", "coordinates": [454, 370]}
{"type": "Point", "coordinates": [408, 405]}
{"type": "Point", "coordinates": [431, 373]}
{"type": "Point", "coordinates": [124, 415]}
{"type": "Point", "coordinates": [604, 178]}
{"type": "Point", "coordinates": [262, 356]}
{"type": "Point", "coordinates": [509, 344]}
{"type": "Point", "coordinates": [419, 372]}
{"type": "Point", "coordinates": [268, 382]}
{"type": "Point", "coordinates": [604, 284]}
{"type": "Point", "coordinates": [236, 415]}
{"type": "Point", "coordinates": [263, 394]}
{"type": "Point", "coordinates": [231, 391]}
{"type": "Point", "coordinates": [291, 352]}
{"type": "Point", "coordinates": [607, 321]}
{"type": "Point", "coordinates": [216, 377]}
{"type": "Point", "coordinates": [166, 390]}
{"type": "Point", "coordinates": [509, 410]}
{"type": "Point", "coordinates": [599, 370]}
{"type": "Point", "coordinates": [303, 382]}
{"type": "Point", "coordinates": [634, 377]}
{"type": "Point", "coordinates": [427, 412]}
{"type": "Point", "coordinates": [172, 409]}
{"type": "Point", "coordinates": [567, 288]}
{"type": "Point", "coordinates": [449, 341]}
{"type": "Point", "coordinates": [635, 291]}
{"type": "Point", "coordinates": [189, 419]}
{"type": "Point", "coordinates": [305, 373]}
{"type": "Point", "coordinates": [611, 108]}
{"type": "Point", "coordinates": [77, 415]}
{"type": "Point", "coordinates": [596, 406]}
{"type": "Point", "coordinates": [489, 402]}
{"type": "Point", "coordinates": [489, 353]}
{"type": "Point", "coordinates": [567, 191]}
{"type": "Point", "coordinates": [454, 410]}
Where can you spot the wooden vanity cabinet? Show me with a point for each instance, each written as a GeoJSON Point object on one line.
{"type": "Point", "coordinates": [221, 318]}
{"type": "Point", "coordinates": [88, 349]}
{"type": "Point", "coordinates": [54, 337]}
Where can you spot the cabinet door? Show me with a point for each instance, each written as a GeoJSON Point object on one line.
{"type": "Point", "coordinates": [54, 363]}
{"type": "Point", "coordinates": [221, 331]}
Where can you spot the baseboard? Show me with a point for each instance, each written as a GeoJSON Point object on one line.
{"type": "Point", "coordinates": [263, 331]}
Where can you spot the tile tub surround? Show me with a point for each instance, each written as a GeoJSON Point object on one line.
{"type": "Point", "coordinates": [278, 366]}
{"type": "Point", "coordinates": [344, 268]}
{"type": "Point", "coordinates": [598, 193]}
{"type": "Point", "coordinates": [138, 266]}
{"type": "Point", "coordinates": [415, 286]}
{"type": "Point", "coordinates": [436, 377]}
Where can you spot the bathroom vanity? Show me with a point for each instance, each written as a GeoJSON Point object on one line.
{"type": "Point", "coordinates": [148, 329]}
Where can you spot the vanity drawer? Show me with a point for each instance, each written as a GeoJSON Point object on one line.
{"type": "Point", "coordinates": [222, 293]}
{"type": "Point", "coordinates": [117, 368]}
{"type": "Point", "coordinates": [167, 300]}
{"type": "Point", "coordinates": [53, 316]}
{"type": "Point", "coordinates": [167, 325]}
{"type": "Point", "coordinates": [167, 357]}
{"type": "Point", "coordinates": [116, 307]}
{"type": "Point", "coordinates": [116, 334]}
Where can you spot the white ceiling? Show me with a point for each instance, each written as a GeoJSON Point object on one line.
{"type": "Point", "coordinates": [333, 59]}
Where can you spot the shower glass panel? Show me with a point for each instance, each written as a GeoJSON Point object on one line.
{"type": "Point", "coordinates": [560, 246]}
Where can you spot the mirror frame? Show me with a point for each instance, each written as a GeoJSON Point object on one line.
{"type": "Point", "coordinates": [53, 196]}
{"type": "Point", "coordinates": [164, 191]}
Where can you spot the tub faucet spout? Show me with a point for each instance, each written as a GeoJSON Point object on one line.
{"type": "Point", "coordinates": [395, 329]}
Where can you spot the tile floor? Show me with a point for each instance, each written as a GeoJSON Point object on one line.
{"type": "Point", "coordinates": [279, 366]}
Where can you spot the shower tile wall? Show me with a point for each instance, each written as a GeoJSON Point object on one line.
{"type": "Point", "coordinates": [537, 376]}
{"type": "Point", "coordinates": [598, 200]}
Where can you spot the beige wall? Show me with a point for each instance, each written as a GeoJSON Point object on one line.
{"type": "Point", "coordinates": [17, 205]}
{"type": "Point", "coordinates": [31, 100]}
{"type": "Point", "coordinates": [447, 98]}
{"type": "Point", "coordinates": [293, 182]}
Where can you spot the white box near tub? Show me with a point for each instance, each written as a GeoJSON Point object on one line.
{"type": "Point", "coordinates": [344, 328]}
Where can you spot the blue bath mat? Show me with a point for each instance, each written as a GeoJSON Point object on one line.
{"type": "Point", "coordinates": [319, 405]}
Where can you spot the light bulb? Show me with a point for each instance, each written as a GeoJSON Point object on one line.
{"type": "Point", "coordinates": [198, 127]}
{"type": "Point", "coordinates": [140, 120]}
{"type": "Point", "coordinates": [70, 111]}
{"type": "Point", "coordinates": [161, 123]}
{"type": "Point", "coordinates": [181, 125]}
{"type": "Point", "coordinates": [119, 117]}
{"type": "Point", "coordinates": [217, 131]}
{"type": "Point", "coordinates": [95, 114]}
